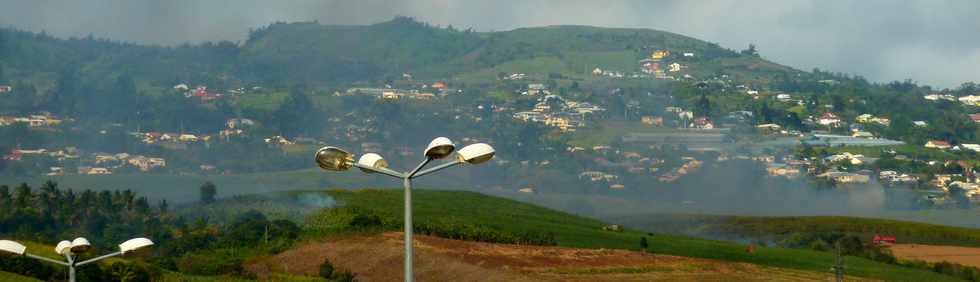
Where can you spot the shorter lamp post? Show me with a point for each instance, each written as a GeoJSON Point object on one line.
{"type": "Point", "coordinates": [336, 159]}
{"type": "Point", "coordinates": [71, 250]}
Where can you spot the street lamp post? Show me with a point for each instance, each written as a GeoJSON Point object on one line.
{"type": "Point", "coordinates": [71, 250]}
{"type": "Point", "coordinates": [336, 159]}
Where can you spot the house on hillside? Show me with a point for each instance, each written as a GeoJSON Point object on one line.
{"type": "Point", "coordinates": [188, 138]}
{"type": "Point", "coordinates": [768, 128]}
{"type": "Point", "coordinates": [439, 86]}
{"type": "Point", "coordinates": [975, 118]}
{"type": "Point", "coordinates": [828, 119]}
{"type": "Point", "coordinates": [880, 240]}
{"type": "Point", "coordinates": [972, 100]}
{"type": "Point", "coordinates": [652, 120]}
{"type": "Point", "coordinates": [938, 144]}
{"type": "Point", "coordinates": [937, 97]}
{"type": "Point", "coordinates": [702, 123]}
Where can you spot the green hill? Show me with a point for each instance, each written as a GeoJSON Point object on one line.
{"type": "Point", "coordinates": [769, 228]}
{"type": "Point", "coordinates": [492, 217]}
{"type": "Point", "coordinates": [283, 54]}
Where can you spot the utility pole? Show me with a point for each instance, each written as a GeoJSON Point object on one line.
{"type": "Point", "coordinates": [838, 267]}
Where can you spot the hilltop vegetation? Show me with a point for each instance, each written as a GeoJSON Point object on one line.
{"type": "Point", "coordinates": [748, 228]}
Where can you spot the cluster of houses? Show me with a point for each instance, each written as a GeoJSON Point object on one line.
{"type": "Point", "coordinates": [102, 163]}
{"type": "Point", "coordinates": [38, 120]}
{"type": "Point", "coordinates": [690, 165]}
{"type": "Point", "coordinates": [234, 127]}
{"type": "Point", "coordinates": [154, 137]}
{"type": "Point", "coordinates": [143, 163]}
{"type": "Point", "coordinates": [200, 92]}
{"type": "Point", "coordinates": [555, 111]}
{"type": "Point", "coordinates": [969, 100]}
{"type": "Point", "coordinates": [59, 155]}
{"type": "Point", "coordinates": [428, 92]}
{"type": "Point", "coordinates": [652, 65]}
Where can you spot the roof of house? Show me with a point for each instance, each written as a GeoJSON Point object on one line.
{"type": "Point", "coordinates": [939, 143]}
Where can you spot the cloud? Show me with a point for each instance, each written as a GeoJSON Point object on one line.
{"type": "Point", "coordinates": [928, 41]}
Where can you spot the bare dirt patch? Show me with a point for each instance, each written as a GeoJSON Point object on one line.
{"type": "Point", "coordinates": [961, 255]}
{"type": "Point", "coordinates": [379, 258]}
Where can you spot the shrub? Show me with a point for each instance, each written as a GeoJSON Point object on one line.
{"type": "Point", "coordinates": [329, 272]}
{"type": "Point", "coordinates": [326, 269]}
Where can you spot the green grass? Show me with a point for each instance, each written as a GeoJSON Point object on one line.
{"type": "Point", "coordinates": [10, 277]}
{"type": "Point", "coordinates": [575, 231]}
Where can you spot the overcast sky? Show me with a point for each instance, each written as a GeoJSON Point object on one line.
{"type": "Point", "coordinates": [931, 41]}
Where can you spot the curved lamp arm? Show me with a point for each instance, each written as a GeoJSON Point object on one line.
{"type": "Point", "coordinates": [381, 170]}
{"type": "Point", "coordinates": [98, 258]}
{"type": "Point", "coordinates": [46, 259]}
{"type": "Point", "coordinates": [436, 168]}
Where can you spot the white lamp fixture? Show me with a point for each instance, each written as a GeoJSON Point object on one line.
{"type": "Point", "coordinates": [333, 158]}
{"type": "Point", "coordinates": [80, 245]}
{"type": "Point", "coordinates": [476, 153]}
{"type": "Point", "coordinates": [11, 247]}
{"type": "Point", "coordinates": [372, 160]}
{"type": "Point", "coordinates": [439, 148]}
{"type": "Point", "coordinates": [63, 247]}
{"type": "Point", "coordinates": [134, 244]}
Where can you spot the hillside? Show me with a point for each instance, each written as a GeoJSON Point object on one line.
{"type": "Point", "coordinates": [311, 53]}
{"type": "Point", "coordinates": [747, 228]}
{"type": "Point", "coordinates": [473, 216]}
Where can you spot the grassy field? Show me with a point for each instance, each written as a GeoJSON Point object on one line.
{"type": "Point", "coordinates": [10, 277]}
{"type": "Point", "coordinates": [574, 231]}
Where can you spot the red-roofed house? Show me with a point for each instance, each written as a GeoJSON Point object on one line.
{"type": "Point", "coordinates": [6, 88]}
{"type": "Point", "coordinates": [828, 119]}
{"type": "Point", "coordinates": [883, 240]}
{"type": "Point", "coordinates": [702, 123]}
{"type": "Point", "coordinates": [975, 118]}
{"type": "Point", "coordinates": [938, 144]}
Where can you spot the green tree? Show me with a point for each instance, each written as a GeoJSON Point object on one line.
{"type": "Point", "coordinates": [643, 243]}
{"type": "Point", "coordinates": [703, 106]}
{"type": "Point", "coordinates": [296, 114]}
{"type": "Point", "coordinates": [208, 192]}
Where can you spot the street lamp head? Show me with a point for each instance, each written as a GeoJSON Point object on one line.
{"type": "Point", "coordinates": [11, 248]}
{"type": "Point", "coordinates": [80, 245]}
{"type": "Point", "coordinates": [134, 244]}
{"type": "Point", "coordinates": [334, 159]}
{"type": "Point", "coordinates": [476, 153]}
{"type": "Point", "coordinates": [439, 148]}
{"type": "Point", "coordinates": [63, 247]}
{"type": "Point", "coordinates": [372, 160]}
